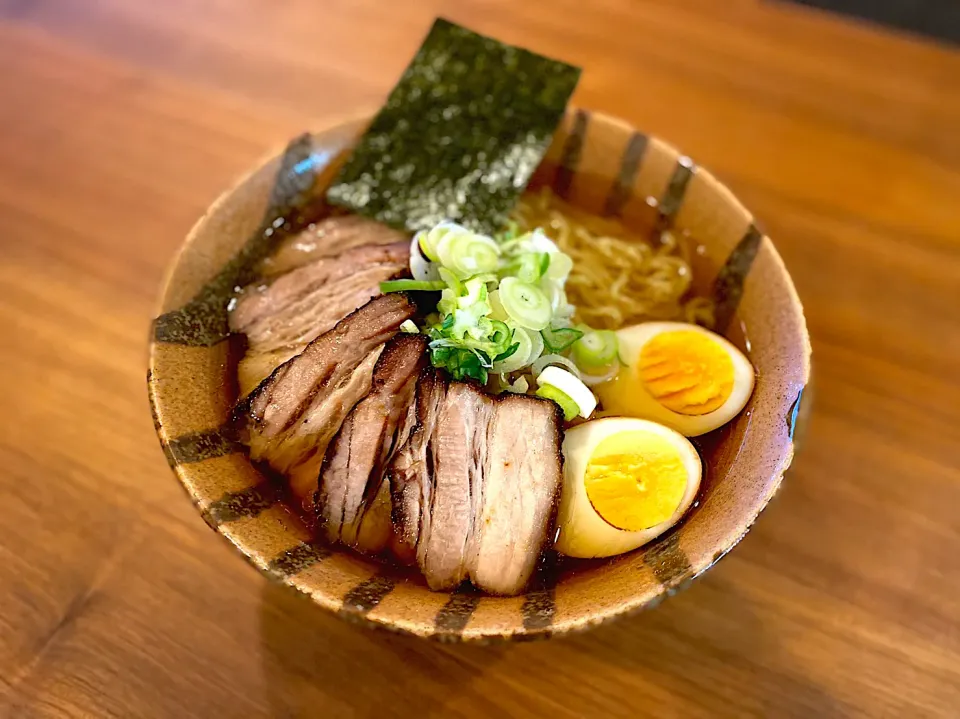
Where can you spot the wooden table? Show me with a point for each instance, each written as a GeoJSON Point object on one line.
{"type": "Point", "coordinates": [120, 120]}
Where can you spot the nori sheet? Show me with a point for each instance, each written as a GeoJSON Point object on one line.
{"type": "Point", "coordinates": [459, 136]}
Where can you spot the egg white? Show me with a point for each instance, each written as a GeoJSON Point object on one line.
{"type": "Point", "coordinates": [583, 532]}
{"type": "Point", "coordinates": [632, 393]}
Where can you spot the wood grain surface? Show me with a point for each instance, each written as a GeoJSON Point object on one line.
{"type": "Point", "coordinates": [120, 120]}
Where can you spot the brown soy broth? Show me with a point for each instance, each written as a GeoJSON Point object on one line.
{"type": "Point", "coordinates": [717, 449]}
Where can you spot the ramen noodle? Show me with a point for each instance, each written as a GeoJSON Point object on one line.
{"type": "Point", "coordinates": [617, 279]}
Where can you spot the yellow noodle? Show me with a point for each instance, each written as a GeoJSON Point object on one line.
{"type": "Point", "coordinates": [616, 280]}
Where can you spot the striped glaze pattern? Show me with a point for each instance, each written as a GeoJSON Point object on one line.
{"type": "Point", "coordinates": [595, 162]}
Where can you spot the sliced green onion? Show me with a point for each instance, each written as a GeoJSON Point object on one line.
{"type": "Point", "coordinates": [569, 407]}
{"type": "Point", "coordinates": [528, 267]}
{"type": "Point", "coordinates": [496, 307]}
{"type": "Point", "coordinates": [560, 266]}
{"type": "Point", "coordinates": [467, 254]}
{"type": "Point", "coordinates": [469, 328]}
{"type": "Point", "coordinates": [500, 338]}
{"type": "Point", "coordinates": [526, 304]}
{"type": "Point", "coordinates": [529, 346]}
{"type": "Point", "coordinates": [454, 290]}
{"type": "Point", "coordinates": [439, 355]}
{"type": "Point", "coordinates": [430, 239]}
{"type": "Point", "coordinates": [420, 267]}
{"type": "Point", "coordinates": [484, 358]}
{"type": "Point", "coordinates": [571, 386]}
{"type": "Point", "coordinates": [550, 359]}
{"type": "Point", "coordinates": [487, 337]}
{"type": "Point", "coordinates": [557, 340]}
{"type": "Point", "coordinates": [453, 282]}
{"type": "Point", "coordinates": [410, 327]}
{"type": "Point", "coordinates": [501, 301]}
{"type": "Point", "coordinates": [410, 286]}
{"type": "Point", "coordinates": [423, 240]}
{"type": "Point", "coordinates": [597, 348]}
{"type": "Point", "coordinates": [447, 303]}
{"type": "Point", "coordinates": [486, 277]}
{"type": "Point", "coordinates": [535, 241]}
{"type": "Point", "coordinates": [508, 352]}
{"type": "Point", "coordinates": [460, 363]}
{"type": "Point", "coordinates": [468, 310]}
{"type": "Point", "coordinates": [538, 240]}
{"type": "Point", "coordinates": [470, 321]}
{"type": "Point", "coordinates": [545, 260]}
{"type": "Point", "coordinates": [474, 291]}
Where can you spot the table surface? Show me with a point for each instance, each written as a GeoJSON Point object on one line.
{"type": "Point", "coordinates": [120, 120]}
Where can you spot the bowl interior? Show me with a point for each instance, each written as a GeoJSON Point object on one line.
{"type": "Point", "coordinates": [597, 163]}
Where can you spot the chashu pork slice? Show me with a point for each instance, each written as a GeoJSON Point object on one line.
{"type": "Point", "coordinates": [455, 458]}
{"type": "Point", "coordinates": [475, 487]}
{"type": "Point", "coordinates": [352, 473]}
{"type": "Point", "coordinates": [410, 472]}
{"type": "Point", "coordinates": [522, 479]}
{"type": "Point", "coordinates": [281, 317]}
{"type": "Point", "coordinates": [291, 416]}
{"type": "Point", "coordinates": [327, 238]}
{"type": "Point", "coordinates": [258, 304]}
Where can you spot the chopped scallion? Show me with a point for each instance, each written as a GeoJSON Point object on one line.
{"type": "Point", "coordinates": [525, 303]}
{"type": "Point", "coordinates": [557, 340]}
{"type": "Point", "coordinates": [569, 407]}
{"type": "Point", "coordinates": [596, 348]}
{"type": "Point", "coordinates": [410, 286]}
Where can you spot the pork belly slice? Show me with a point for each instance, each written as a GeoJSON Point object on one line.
{"type": "Point", "coordinates": [294, 329]}
{"type": "Point", "coordinates": [255, 366]}
{"type": "Point", "coordinates": [475, 488]}
{"type": "Point", "coordinates": [410, 472]}
{"type": "Point", "coordinates": [353, 468]}
{"type": "Point", "coordinates": [292, 415]}
{"type": "Point", "coordinates": [258, 304]}
{"type": "Point", "coordinates": [522, 479]}
{"type": "Point", "coordinates": [375, 533]}
{"type": "Point", "coordinates": [456, 456]}
{"type": "Point", "coordinates": [327, 238]}
{"type": "Point", "coordinates": [281, 317]}
{"type": "Point", "coordinates": [298, 451]}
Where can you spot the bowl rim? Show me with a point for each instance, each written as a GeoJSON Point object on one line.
{"type": "Point", "coordinates": [628, 605]}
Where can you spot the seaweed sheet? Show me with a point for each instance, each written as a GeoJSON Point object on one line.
{"type": "Point", "coordinates": [459, 136]}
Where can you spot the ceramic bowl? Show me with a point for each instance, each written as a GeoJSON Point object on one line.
{"type": "Point", "coordinates": [595, 162]}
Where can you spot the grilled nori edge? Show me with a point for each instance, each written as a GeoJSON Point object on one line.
{"type": "Point", "coordinates": [459, 136]}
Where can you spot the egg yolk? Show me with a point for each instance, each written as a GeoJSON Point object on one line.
{"type": "Point", "coordinates": [686, 371]}
{"type": "Point", "coordinates": [635, 480]}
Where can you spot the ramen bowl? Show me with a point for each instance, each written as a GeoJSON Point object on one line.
{"type": "Point", "coordinates": [597, 163]}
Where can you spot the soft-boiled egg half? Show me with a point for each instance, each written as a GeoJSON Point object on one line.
{"type": "Point", "coordinates": [625, 482]}
{"type": "Point", "coordinates": [678, 374]}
